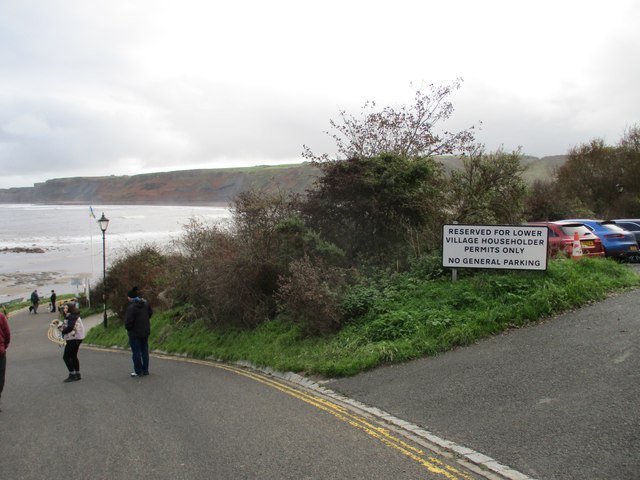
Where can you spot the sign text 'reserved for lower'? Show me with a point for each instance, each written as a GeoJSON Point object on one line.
{"type": "Point", "coordinates": [513, 247]}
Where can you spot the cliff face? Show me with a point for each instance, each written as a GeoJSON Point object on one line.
{"type": "Point", "coordinates": [204, 187]}
{"type": "Point", "coordinates": [189, 187]}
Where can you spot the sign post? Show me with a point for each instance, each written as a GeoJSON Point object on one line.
{"type": "Point", "coordinates": [510, 247]}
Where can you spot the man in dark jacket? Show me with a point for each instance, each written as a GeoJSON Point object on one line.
{"type": "Point", "coordinates": [5, 338]}
{"type": "Point", "coordinates": [53, 301]}
{"type": "Point", "coordinates": [139, 328]}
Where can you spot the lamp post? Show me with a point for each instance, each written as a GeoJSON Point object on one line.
{"type": "Point", "coordinates": [104, 223]}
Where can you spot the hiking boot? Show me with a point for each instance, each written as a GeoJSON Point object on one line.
{"type": "Point", "coordinates": [70, 378]}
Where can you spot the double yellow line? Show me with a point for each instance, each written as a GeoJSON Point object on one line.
{"type": "Point", "coordinates": [432, 464]}
{"type": "Point", "coordinates": [381, 434]}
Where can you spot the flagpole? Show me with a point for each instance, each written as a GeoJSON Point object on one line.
{"type": "Point", "coordinates": [91, 216]}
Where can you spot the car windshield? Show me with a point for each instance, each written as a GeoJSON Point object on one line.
{"type": "Point", "coordinates": [613, 227]}
{"type": "Point", "coordinates": [629, 226]}
{"type": "Point", "coordinates": [572, 228]}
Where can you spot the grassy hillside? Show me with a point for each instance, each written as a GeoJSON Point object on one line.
{"type": "Point", "coordinates": [204, 187]}
{"type": "Point", "coordinates": [543, 168]}
{"type": "Point", "coordinates": [536, 168]}
{"type": "Point", "coordinates": [186, 187]}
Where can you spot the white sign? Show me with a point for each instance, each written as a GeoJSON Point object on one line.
{"type": "Point", "coordinates": [513, 247]}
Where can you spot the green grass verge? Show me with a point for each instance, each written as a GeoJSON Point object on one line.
{"type": "Point", "coordinates": [405, 318]}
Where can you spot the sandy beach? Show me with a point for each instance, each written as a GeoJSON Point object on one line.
{"type": "Point", "coordinates": [20, 285]}
{"type": "Point", "coordinates": [25, 276]}
{"type": "Point", "coordinates": [63, 268]}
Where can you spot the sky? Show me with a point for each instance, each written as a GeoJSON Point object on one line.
{"type": "Point", "coordinates": [123, 87]}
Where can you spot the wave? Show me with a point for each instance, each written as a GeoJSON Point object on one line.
{"type": "Point", "coordinates": [72, 240]}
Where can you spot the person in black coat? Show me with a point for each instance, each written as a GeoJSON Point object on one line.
{"type": "Point", "coordinates": [138, 328]}
{"type": "Point", "coordinates": [35, 301]}
{"type": "Point", "coordinates": [5, 338]}
{"type": "Point", "coordinates": [53, 301]}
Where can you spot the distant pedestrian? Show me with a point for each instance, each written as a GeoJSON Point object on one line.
{"type": "Point", "coordinates": [138, 328]}
{"type": "Point", "coordinates": [53, 300]}
{"type": "Point", "coordinates": [72, 331]}
{"type": "Point", "coordinates": [5, 338]}
{"type": "Point", "coordinates": [35, 301]}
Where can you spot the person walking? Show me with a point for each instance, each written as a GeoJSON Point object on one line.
{"type": "Point", "coordinates": [138, 328]}
{"type": "Point", "coordinates": [5, 338]}
{"type": "Point", "coordinates": [53, 301]}
{"type": "Point", "coordinates": [72, 331]}
{"type": "Point", "coordinates": [35, 301]}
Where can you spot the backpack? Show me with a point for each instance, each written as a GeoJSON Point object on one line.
{"type": "Point", "coordinates": [78, 329]}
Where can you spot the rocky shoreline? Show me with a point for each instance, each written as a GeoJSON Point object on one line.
{"type": "Point", "coordinates": [20, 284]}
{"type": "Point", "coordinates": [17, 281]}
{"type": "Point", "coordinates": [21, 250]}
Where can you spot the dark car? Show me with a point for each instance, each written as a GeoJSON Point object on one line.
{"type": "Point", "coordinates": [561, 235]}
{"type": "Point", "coordinates": [630, 224]}
{"type": "Point", "coordinates": [617, 242]}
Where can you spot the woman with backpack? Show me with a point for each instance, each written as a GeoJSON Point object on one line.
{"type": "Point", "coordinates": [72, 331]}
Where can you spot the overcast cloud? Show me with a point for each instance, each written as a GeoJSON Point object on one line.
{"type": "Point", "coordinates": [92, 88]}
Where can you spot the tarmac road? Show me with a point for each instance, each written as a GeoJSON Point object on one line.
{"type": "Point", "coordinates": [187, 420]}
{"type": "Point", "coordinates": [556, 400]}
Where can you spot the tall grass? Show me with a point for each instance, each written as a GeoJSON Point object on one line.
{"type": "Point", "coordinates": [401, 318]}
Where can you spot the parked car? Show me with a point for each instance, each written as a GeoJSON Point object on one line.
{"type": "Point", "coordinates": [561, 235]}
{"type": "Point", "coordinates": [617, 242]}
{"type": "Point", "coordinates": [630, 224]}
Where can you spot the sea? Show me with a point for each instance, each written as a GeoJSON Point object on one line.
{"type": "Point", "coordinates": [59, 247]}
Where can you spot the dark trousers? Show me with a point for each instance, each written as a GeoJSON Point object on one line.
{"type": "Point", "coordinates": [70, 355]}
{"type": "Point", "coordinates": [3, 369]}
{"type": "Point", "coordinates": [140, 354]}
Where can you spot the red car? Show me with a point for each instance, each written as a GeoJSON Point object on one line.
{"type": "Point", "coordinates": [561, 238]}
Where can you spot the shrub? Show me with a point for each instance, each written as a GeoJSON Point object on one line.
{"type": "Point", "coordinates": [145, 267]}
{"type": "Point", "coordinates": [232, 275]}
{"type": "Point", "coordinates": [310, 296]}
{"type": "Point", "coordinates": [391, 326]}
{"type": "Point", "coordinates": [359, 300]}
{"type": "Point", "coordinates": [214, 276]}
{"type": "Point", "coordinates": [376, 209]}
{"type": "Point", "coordinates": [428, 267]}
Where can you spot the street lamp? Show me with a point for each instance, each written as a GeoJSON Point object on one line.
{"type": "Point", "coordinates": [104, 223]}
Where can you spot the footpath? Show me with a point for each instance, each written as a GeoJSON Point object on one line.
{"type": "Point", "coordinates": [92, 321]}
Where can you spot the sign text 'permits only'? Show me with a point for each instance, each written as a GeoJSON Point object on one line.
{"type": "Point", "coordinates": [513, 247]}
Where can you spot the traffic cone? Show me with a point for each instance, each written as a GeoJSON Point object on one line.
{"type": "Point", "coordinates": [576, 248]}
